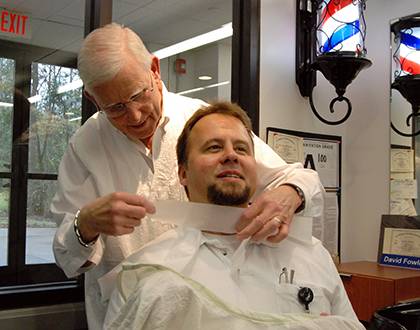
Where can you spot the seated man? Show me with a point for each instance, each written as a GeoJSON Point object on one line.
{"type": "Point", "coordinates": [199, 279]}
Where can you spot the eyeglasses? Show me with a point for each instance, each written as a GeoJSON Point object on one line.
{"type": "Point", "coordinates": [118, 109]}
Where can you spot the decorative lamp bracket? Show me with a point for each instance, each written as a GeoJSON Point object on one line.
{"type": "Point", "coordinates": [330, 38]}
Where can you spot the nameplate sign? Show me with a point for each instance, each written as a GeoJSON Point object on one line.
{"type": "Point", "coordinates": [399, 243]}
{"type": "Point", "coordinates": [400, 261]}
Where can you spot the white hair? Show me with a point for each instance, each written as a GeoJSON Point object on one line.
{"type": "Point", "coordinates": [103, 51]}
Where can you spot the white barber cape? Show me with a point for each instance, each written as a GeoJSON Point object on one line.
{"type": "Point", "coordinates": [174, 302]}
{"type": "Point", "coordinates": [100, 160]}
{"type": "Point", "coordinates": [189, 280]}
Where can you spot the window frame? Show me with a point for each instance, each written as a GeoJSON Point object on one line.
{"type": "Point", "coordinates": [20, 281]}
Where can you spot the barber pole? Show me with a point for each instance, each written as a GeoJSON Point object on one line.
{"type": "Point", "coordinates": [409, 52]}
{"type": "Point", "coordinates": [406, 55]}
{"type": "Point", "coordinates": [339, 26]}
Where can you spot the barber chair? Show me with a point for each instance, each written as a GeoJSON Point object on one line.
{"type": "Point", "coordinates": [404, 316]}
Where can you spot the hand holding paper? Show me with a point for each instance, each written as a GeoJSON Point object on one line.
{"type": "Point", "coordinates": [114, 214]}
{"type": "Point", "coordinates": [272, 210]}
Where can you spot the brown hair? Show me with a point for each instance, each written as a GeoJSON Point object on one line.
{"type": "Point", "coordinates": [224, 108]}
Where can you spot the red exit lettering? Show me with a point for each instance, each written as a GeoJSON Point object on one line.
{"type": "Point", "coordinates": [13, 23]}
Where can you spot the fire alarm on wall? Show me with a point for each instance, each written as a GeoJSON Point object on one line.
{"type": "Point", "coordinates": [180, 66]}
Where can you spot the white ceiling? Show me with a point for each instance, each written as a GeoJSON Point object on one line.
{"type": "Point", "coordinates": [59, 24]}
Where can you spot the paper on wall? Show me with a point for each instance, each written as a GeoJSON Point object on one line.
{"type": "Point", "coordinates": [288, 147]}
{"type": "Point", "coordinates": [403, 189]}
{"type": "Point", "coordinates": [326, 228]}
{"type": "Point", "coordinates": [402, 175]}
{"type": "Point", "coordinates": [402, 160]}
{"type": "Point", "coordinates": [403, 207]}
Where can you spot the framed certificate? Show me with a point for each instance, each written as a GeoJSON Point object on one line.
{"type": "Point", "coordinates": [321, 153]}
{"type": "Point", "coordinates": [399, 241]}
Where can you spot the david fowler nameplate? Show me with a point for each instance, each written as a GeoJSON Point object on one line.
{"type": "Point", "coordinates": [399, 243]}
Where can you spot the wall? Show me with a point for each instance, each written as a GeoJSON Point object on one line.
{"type": "Point", "coordinates": [366, 134]}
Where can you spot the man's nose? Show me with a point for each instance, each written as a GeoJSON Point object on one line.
{"type": "Point", "coordinates": [230, 155]}
{"type": "Point", "coordinates": [133, 112]}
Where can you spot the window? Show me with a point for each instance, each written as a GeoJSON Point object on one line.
{"type": "Point", "coordinates": [202, 69]}
{"type": "Point", "coordinates": [40, 108]}
{"type": "Point", "coordinates": [55, 114]}
{"type": "Point", "coordinates": [38, 115]}
{"type": "Point", "coordinates": [207, 74]}
{"type": "Point", "coordinates": [7, 72]}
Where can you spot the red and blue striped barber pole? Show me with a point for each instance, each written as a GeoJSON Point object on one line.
{"type": "Point", "coordinates": [409, 52]}
{"type": "Point", "coordinates": [406, 55]}
{"type": "Point", "coordinates": [339, 26]}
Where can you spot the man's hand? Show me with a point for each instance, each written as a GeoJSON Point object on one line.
{"type": "Point", "coordinates": [270, 215]}
{"type": "Point", "coordinates": [115, 214]}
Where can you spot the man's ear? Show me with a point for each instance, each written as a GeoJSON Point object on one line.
{"type": "Point", "coordinates": [182, 175]}
{"type": "Point", "coordinates": [155, 67]}
{"type": "Point", "coordinates": [91, 99]}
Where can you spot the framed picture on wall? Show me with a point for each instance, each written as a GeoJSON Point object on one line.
{"type": "Point", "coordinates": [321, 153]}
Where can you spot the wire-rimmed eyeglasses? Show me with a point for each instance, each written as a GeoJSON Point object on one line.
{"type": "Point", "coordinates": [118, 109]}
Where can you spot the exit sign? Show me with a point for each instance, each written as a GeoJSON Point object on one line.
{"type": "Point", "coordinates": [14, 24]}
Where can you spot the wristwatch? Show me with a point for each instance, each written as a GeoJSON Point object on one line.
{"type": "Point", "coordinates": [300, 194]}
